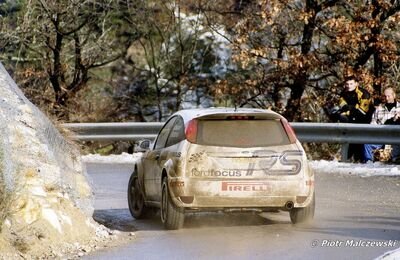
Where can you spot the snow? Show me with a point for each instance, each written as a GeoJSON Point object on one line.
{"type": "Point", "coordinates": [45, 183]}
{"type": "Point", "coordinates": [51, 216]}
{"type": "Point", "coordinates": [390, 255]}
{"type": "Point", "coordinates": [320, 167]}
{"type": "Point", "coordinates": [361, 169]}
{"type": "Point", "coordinates": [38, 191]}
{"type": "Point", "coordinates": [120, 158]}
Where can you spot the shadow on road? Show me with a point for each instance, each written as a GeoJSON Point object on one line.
{"type": "Point", "coordinates": [200, 220]}
{"type": "Point", "coordinates": [115, 219]}
{"type": "Point", "coordinates": [121, 219]}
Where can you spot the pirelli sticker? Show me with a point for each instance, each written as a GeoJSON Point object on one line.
{"type": "Point", "coordinates": [244, 186]}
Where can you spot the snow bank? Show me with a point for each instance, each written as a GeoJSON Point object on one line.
{"type": "Point", "coordinates": [49, 201]}
{"type": "Point", "coordinates": [320, 167]}
{"type": "Point", "coordinates": [390, 255]}
{"type": "Point", "coordinates": [365, 170]}
{"type": "Point", "coordinates": [120, 158]}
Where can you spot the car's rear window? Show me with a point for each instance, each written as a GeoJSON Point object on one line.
{"type": "Point", "coordinates": [241, 133]}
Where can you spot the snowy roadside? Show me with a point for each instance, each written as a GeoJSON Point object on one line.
{"type": "Point", "coordinates": [362, 169]}
{"type": "Point", "coordinates": [114, 158]}
{"type": "Point", "coordinates": [320, 167]}
{"type": "Point", "coordinates": [390, 255]}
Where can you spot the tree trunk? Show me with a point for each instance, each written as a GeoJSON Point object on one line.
{"type": "Point", "coordinates": [55, 74]}
{"type": "Point", "coordinates": [293, 108]}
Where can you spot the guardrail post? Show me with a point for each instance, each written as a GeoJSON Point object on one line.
{"type": "Point", "coordinates": [345, 152]}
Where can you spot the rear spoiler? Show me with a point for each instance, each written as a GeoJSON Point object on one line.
{"type": "Point", "coordinates": [255, 115]}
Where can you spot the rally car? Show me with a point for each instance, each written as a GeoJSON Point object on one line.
{"type": "Point", "coordinates": [222, 159]}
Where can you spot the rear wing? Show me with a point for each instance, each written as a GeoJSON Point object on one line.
{"type": "Point", "coordinates": [241, 115]}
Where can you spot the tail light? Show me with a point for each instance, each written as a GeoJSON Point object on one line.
{"type": "Point", "coordinates": [289, 131]}
{"type": "Point", "coordinates": [191, 131]}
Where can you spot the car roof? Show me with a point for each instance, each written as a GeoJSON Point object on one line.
{"type": "Point", "coordinates": [189, 114]}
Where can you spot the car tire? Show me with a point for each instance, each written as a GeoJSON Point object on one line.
{"type": "Point", "coordinates": [303, 215]}
{"type": "Point", "coordinates": [171, 216]}
{"type": "Point", "coordinates": [136, 202]}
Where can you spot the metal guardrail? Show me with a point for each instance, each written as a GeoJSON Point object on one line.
{"type": "Point", "coordinates": [306, 132]}
{"type": "Point", "coordinates": [114, 131]}
{"type": "Point", "coordinates": [347, 133]}
{"type": "Point", "coordinates": [341, 133]}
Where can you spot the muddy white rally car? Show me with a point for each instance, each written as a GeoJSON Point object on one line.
{"type": "Point", "coordinates": [226, 160]}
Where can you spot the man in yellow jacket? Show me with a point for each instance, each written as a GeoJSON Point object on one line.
{"type": "Point", "coordinates": [355, 103]}
{"type": "Point", "coordinates": [355, 107]}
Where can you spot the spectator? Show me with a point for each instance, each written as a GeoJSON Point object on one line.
{"type": "Point", "coordinates": [355, 107]}
{"type": "Point", "coordinates": [395, 154]}
{"type": "Point", "coordinates": [386, 113]}
{"type": "Point", "coordinates": [355, 103]}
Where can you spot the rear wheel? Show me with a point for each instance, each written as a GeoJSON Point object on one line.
{"type": "Point", "coordinates": [136, 203]}
{"type": "Point", "coordinates": [171, 216]}
{"type": "Point", "coordinates": [303, 215]}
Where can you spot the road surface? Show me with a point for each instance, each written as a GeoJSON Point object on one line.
{"type": "Point", "coordinates": [356, 218]}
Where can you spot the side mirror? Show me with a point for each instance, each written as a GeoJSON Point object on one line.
{"type": "Point", "coordinates": [142, 146]}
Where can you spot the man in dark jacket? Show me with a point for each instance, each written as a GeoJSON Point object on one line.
{"type": "Point", "coordinates": [355, 107]}
{"type": "Point", "coordinates": [355, 103]}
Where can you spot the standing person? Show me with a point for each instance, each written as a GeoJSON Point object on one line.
{"type": "Point", "coordinates": [386, 113]}
{"type": "Point", "coordinates": [355, 107]}
{"type": "Point", "coordinates": [355, 103]}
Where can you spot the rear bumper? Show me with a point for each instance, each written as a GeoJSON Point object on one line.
{"type": "Point", "coordinates": [242, 194]}
{"type": "Point", "coordinates": [240, 202]}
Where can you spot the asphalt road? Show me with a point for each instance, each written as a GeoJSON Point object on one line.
{"type": "Point", "coordinates": [352, 213]}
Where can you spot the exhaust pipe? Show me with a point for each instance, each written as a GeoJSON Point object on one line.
{"type": "Point", "coordinates": [289, 205]}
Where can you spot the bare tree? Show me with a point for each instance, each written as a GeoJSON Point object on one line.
{"type": "Point", "coordinates": [173, 53]}
{"type": "Point", "coordinates": [65, 40]}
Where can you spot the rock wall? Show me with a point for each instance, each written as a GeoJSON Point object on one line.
{"type": "Point", "coordinates": [48, 195]}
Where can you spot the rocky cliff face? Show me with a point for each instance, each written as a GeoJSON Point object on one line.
{"type": "Point", "coordinates": [45, 198]}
